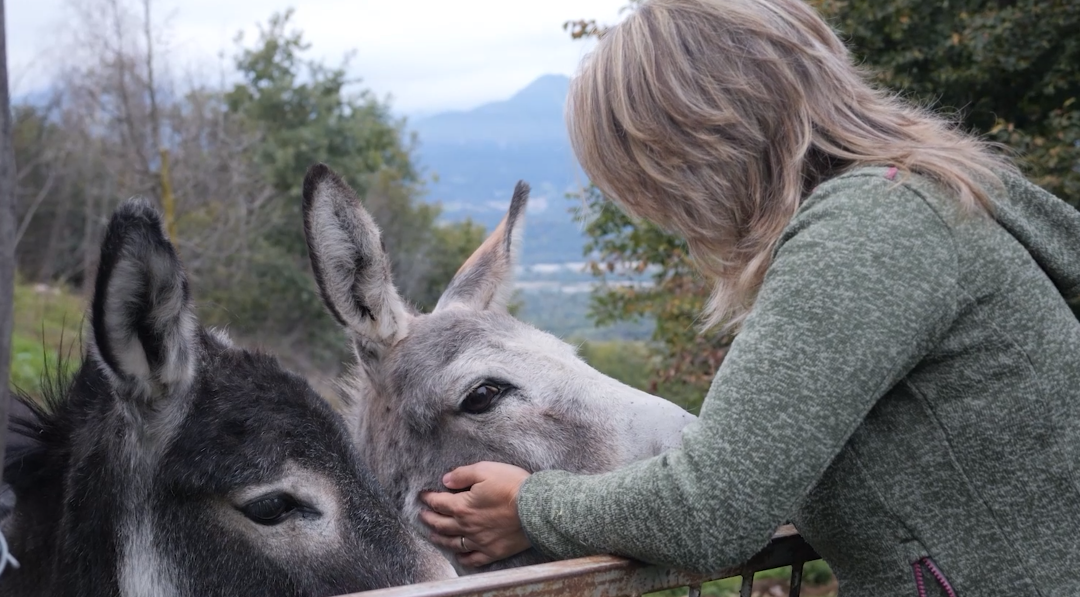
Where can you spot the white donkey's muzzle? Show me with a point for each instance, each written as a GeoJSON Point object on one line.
{"type": "Point", "coordinates": [654, 425]}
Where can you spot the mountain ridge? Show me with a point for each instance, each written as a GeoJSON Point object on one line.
{"type": "Point", "coordinates": [479, 154]}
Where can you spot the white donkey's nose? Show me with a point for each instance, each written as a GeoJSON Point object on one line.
{"type": "Point", "coordinates": [654, 425]}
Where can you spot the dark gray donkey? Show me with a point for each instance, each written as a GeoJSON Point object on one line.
{"type": "Point", "coordinates": [467, 382]}
{"type": "Point", "coordinates": [177, 464]}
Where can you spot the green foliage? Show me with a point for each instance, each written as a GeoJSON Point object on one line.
{"type": "Point", "coordinates": [456, 243]}
{"type": "Point", "coordinates": [304, 112]}
{"type": "Point", "coordinates": [1012, 70]}
{"type": "Point", "coordinates": [628, 362]}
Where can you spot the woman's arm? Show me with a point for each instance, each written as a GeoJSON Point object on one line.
{"type": "Point", "coordinates": [861, 288]}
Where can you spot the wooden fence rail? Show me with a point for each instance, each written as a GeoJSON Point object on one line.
{"type": "Point", "coordinates": [608, 576]}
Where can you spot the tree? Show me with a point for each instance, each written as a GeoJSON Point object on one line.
{"type": "Point", "coordinates": [306, 112]}
{"type": "Point", "coordinates": [303, 112]}
{"type": "Point", "coordinates": [7, 237]}
{"type": "Point", "coordinates": [1011, 69]}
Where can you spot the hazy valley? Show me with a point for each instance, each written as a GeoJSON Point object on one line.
{"type": "Point", "coordinates": [477, 156]}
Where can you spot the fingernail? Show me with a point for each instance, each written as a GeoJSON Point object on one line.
{"type": "Point", "coordinates": [445, 478]}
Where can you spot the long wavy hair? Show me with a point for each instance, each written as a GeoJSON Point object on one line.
{"type": "Point", "coordinates": [715, 118]}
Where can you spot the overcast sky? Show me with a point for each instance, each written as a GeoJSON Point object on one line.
{"type": "Point", "coordinates": [429, 55]}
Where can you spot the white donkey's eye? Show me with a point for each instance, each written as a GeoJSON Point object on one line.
{"type": "Point", "coordinates": [482, 398]}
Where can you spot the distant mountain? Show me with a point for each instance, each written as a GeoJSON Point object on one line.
{"type": "Point", "coordinates": [478, 156]}
{"type": "Point", "coordinates": [533, 115]}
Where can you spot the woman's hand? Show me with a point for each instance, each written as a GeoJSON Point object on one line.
{"type": "Point", "coordinates": [481, 525]}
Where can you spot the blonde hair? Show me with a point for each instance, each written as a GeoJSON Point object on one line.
{"type": "Point", "coordinates": [714, 118]}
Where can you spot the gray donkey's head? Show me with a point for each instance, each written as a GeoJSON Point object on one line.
{"type": "Point", "coordinates": [176, 464]}
{"type": "Point", "coordinates": [467, 382]}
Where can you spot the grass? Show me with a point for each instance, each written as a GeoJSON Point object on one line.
{"type": "Point", "coordinates": [47, 334]}
{"type": "Point", "coordinates": [817, 582]}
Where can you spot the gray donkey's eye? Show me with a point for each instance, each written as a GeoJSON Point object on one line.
{"type": "Point", "coordinates": [271, 510]}
{"type": "Point", "coordinates": [482, 397]}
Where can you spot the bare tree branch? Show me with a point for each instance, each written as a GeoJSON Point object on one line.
{"type": "Point", "coordinates": [155, 120]}
{"type": "Point", "coordinates": [122, 60]}
{"type": "Point", "coordinates": [34, 205]}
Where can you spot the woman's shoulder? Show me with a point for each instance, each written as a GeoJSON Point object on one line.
{"type": "Point", "coordinates": [870, 201]}
{"type": "Point", "coordinates": [874, 202]}
{"type": "Point", "coordinates": [878, 187]}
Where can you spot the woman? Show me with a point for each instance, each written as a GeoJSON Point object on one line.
{"type": "Point", "coordinates": [905, 386]}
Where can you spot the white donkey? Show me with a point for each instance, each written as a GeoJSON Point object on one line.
{"type": "Point", "coordinates": [467, 382]}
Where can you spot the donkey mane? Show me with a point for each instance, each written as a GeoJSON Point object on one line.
{"type": "Point", "coordinates": [38, 442]}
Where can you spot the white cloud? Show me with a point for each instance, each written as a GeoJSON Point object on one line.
{"type": "Point", "coordinates": [430, 55]}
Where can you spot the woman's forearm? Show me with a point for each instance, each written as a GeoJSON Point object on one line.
{"type": "Point", "coordinates": [857, 294]}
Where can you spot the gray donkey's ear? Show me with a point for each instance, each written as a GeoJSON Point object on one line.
{"type": "Point", "coordinates": [486, 280]}
{"type": "Point", "coordinates": [142, 318]}
{"type": "Point", "coordinates": [351, 268]}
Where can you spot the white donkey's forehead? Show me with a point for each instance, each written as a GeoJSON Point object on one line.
{"type": "Point", "coordinates": [438, 339]}
{"type": "Point", "coordinates": [448, 348]}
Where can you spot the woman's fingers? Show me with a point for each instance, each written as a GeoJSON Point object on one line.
{"type": "Point", "coordinates": [474, 559]}
{"type": "Point", "coordinates": [443, 525]}
{"type": "Point", "coordinates": [464, 477]}
{"type": "Point", "coordinates": [442, 502]}
{"type": "Point", "coordinates": [485, 514]}
{"type": "Point", "coordinates": [456, 543]}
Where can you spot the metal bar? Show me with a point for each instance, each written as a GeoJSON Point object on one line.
{"type": "Point", "coordinates": [796, 579]}
{"type": "Point", "coordinates": [695, 591]}
{"type": "Point", "coordinates": [747, 584]}
{"type": "Point", "coordinates": [599, 576]}
{"type": "Point", "coordinates": [596, 576]}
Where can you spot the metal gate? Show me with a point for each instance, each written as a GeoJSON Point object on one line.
{"type": "Point", "coordinates": [608, 576]}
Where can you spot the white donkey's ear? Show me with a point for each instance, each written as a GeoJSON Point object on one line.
{"type": "Point", "coordinates": [351, 267]}
{"type": "Point", "coordinates": [486, 280]}
{"type": "Point", "coordinates": [142, 318]}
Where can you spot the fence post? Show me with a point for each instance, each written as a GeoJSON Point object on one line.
{"type": "Point", "coordinates": [7, 252]}
{"type": "Point", "coordinates": [7, 237]}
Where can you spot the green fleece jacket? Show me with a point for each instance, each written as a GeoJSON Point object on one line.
{"type": "Point", "coordinates": [906, 391]}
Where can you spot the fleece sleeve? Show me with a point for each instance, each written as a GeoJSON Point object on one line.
{"type": "Point", "coordinates": [862, 286]}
